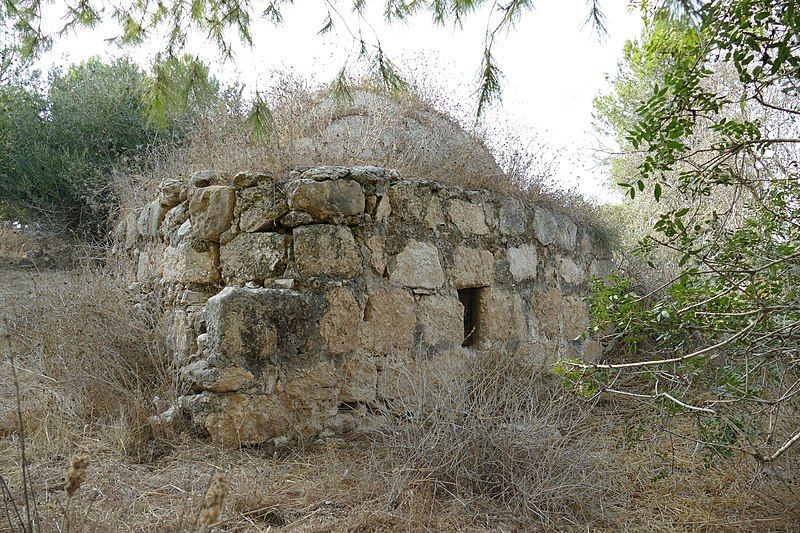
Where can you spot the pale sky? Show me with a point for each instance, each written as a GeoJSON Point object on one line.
{"type": "Point", "coordinates": [553, 66]}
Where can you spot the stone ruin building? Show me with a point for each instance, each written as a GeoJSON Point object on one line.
{"type": "Point", "coordinates": [300, 307]}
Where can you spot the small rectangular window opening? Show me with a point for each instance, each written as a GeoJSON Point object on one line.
{"type": "Point", "coordinates": [469, 299]}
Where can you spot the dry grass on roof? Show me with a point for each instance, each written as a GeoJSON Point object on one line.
{"type": "Point", "coordinates": [402, 131]}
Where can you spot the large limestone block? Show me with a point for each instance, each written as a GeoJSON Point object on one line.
{"type": "Point", "coordinates": [468, 217]}
{"type": "Point", "coordinates": [388, 322]}
{"type": "Point", "coordinates": [319, 382]}
{"type": "Point", "coordinates": [326, 250]}
{"type": "Point", "coordinates": [512, 218]}
{"type": "Point", "coordinates": [571, 272]}
{"type": "Point", "coordinates": [150, 218]}
{"type": "Point", "coordinates": [204, 377]}
{"type": "Point", "coordinates": [501, 316]}
{"type": "Point", "coordinates": [417, 266]}
{"type": "Point", "coordinates": [254, 257]}
{"type": "Point", "coordinates": [211, 210]}
{"type": "Point", "coordinates": [339, 325]}
{"type": "Point", "coordinates": [408, 201]}
{"type": "Point", "coordinates": [251, 327]}
{"type": "Point", "coordinates": [325, 200]}
{"type": "Point", "coordinates": [173, 220]}
{"type": "Point", "coordinates": [575, 317]}
{"type": "Point", "coordinates": [441, 317]}
{"type": "Point", "coordinates": [360, 379]}
{"type": "Point", "coordinates": [546, 307]}
{"type": "Point", "coordinates": [523, 262]}
{"type": "Point", "coordinates": [171, 192]}
{"type": "Point", "coordinates": [234, 420]}
{"type": "Point", "coordinates": [150, 263]}
{"type": "Point", "coordinates": [260, 207]}
{"type": "Point", "coordinates": [471, 268]}
{"type": "Point", "coordinates": [545, 225]}
{"type": "Point", "coordinates": [567, 236]}
{"type": "Point", "coordinates": [192, 261]}
{"type": "Point", "coordinates": [551, 228]}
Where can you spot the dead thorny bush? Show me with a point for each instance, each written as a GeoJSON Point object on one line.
{"type": "Point", "coordinates": [503, 430]}
{"type": "Point", "coordinates": [99, 357]}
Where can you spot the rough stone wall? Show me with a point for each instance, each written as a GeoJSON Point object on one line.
{"type": "Point", "coordinates": [298, 307]}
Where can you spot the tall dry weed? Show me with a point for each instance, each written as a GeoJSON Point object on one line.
{"type": "Point", "coordinates": [502, 431]}
{"type": "Point", "coordinates": [90, 354]}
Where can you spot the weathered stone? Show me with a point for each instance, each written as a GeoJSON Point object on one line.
{"type": "Point", "coordinates": [360, 380]}
{"type": "Point", "coordinates": [512, 218]}
{"type": "Point", "coordinates": [447, 369]}
{"type": "Point", "coordinates": [326, 250]}
{"type": "Point", "coordinates": [250, 179]}
{"type": "Point", "coordinates": [234, 420]}
{"type": "Point", "coordinates": [469, 218]}
{"type": "Point", "coordinates": [203, 377]}
{"type": "Point", "coordinates": [570, 271]}
{"type": "Point", "coordinates": [408, 201]}
{"type": "Point", "coordinates": [383, 210]}
{"type": "Point", "coordinates": [201, 178]}
{"type": "Point", "coordinates": [171, 192]}
{"type": "Point", "coordinates": [249, 327]}
{"type": "Point", "coordinates": [292, 219]}
{"type": "Point", "coordinates": [502, 317]}
{"type": "Point", "coordinates": [173, 220]}
{"type": "Point", "coordinates": [567, 234]}
{"type": "Point", "coordinates": [575, 317]}
{"type": "Point", "coordinates": [211, 210]}
{"type": "Point", "coordinates": [150, 263]}
{"type": "Point", "coordinates": [388, 322]}
{"type": "Point", "coordinates": [377, 257]}
{"type": "Point", "coordinates": [194, 297]}
{"type": "Point", "coordinates": [441, 318]}
{"type": "Point", "coordinates": [182, 338]}
{"type": "Point", "coordinates": [254, 257]}
{"type": "Point", "coordinates": [545, 225]}
{"type": "Point", "coordinates": [434, 216]}
{"type": "Point", "coordinates": [523, 262]}
{"type": "Point", "coordinates": [471, 268]}
{"type": "Point", "coordinates": [324, 200]}
{"type": "Point", "coordinates": [326, 173]}
{"type": "Point", "coordinates": [546, 306]}
{"type": "Point", "coordinates": [319, 382]}
{"type": "Point", "coordinates": [417, 266]}
{"type": "Point", "coordinates": [259, 207]}
{"type": "Point", "coordinates": [339, 324]}
{"type": "Point", "coordinates": [150, 218]}
{"type": "Point", "coordinates": [192, 261]}
{"type": "Point", "coordinates": [601, 268]}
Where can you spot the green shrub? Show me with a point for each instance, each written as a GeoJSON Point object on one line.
{"type": "Point", "coordinates": [62, 138]}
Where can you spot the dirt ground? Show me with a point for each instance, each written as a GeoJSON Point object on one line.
{"type": "Point", "coordinates": [656, 482]}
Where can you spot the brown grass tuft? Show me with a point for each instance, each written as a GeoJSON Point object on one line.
{"type": "Point", "coordinates": [504, 433]}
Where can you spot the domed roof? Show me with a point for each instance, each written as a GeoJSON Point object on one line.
{"type": "Point", "coordinates": [402, 133]}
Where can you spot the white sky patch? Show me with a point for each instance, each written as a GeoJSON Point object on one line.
{"type": "Point", "coordinates": [553, 67]}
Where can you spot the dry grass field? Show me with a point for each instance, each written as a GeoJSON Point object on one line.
{"type": "Point", "coordinates": [89, 365]}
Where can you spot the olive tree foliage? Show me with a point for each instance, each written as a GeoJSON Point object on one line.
{"type": "Point", "coordinates": [708, 114]}
{"type": "Point", "coordinates": [226, 22]}
{"type": "Point", "coordinates": [61, 138]}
